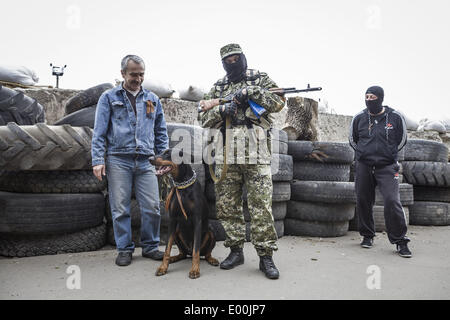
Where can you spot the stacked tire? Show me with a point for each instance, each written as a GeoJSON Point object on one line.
{"type": "Point", "coordinates": [19, 108]}
{"type": "Point", "coordinates": [322, 198]}
{"type": "Point", "coordinates": [50, 202]}
{"type": "Point", "coordinates": [426, 167]}
{"type": "Point", "coordinates": [80, 109]}
{"type": "Point", "coordinates": [50, 212]}
{"type": "Point", "coordinates": [282, 172]}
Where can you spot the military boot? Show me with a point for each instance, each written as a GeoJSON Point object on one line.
{"type": "Point", "coordinates": [235, 258]}
{"type": "Point", "coordinates": [267, 266]}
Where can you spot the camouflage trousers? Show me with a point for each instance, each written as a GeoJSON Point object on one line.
{"type": "Point", "coordinates": [229, 206]}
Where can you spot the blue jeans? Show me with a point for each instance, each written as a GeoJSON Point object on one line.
{"type": "Point", "coordinates": [122, 171]}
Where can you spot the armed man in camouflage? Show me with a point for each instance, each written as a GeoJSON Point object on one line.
{"type": "Point", "coordinates": [251, 166]}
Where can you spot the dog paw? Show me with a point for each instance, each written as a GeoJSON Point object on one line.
{"type": "Point", "coordinates": [194, 274]}
{"type": "Point", "coordinates": [213, 261]}
{"type": "Point", "coordinates": [161, 271]}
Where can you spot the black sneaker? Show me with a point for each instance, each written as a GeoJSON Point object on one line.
{"type": "Point", "coordinates": [155, 255]}
{"type": "Point", "coordinates": [267, 266]}
{"type": "Point", "coordinates": [124, 258]}
{"type": "Point", "coordinates": [403, 251]}
{"type": "Point", "coordinates": [235, 258]}
{"type": "Point", "coordinates": [367, 243]}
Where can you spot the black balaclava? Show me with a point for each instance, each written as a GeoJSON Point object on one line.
{"type": "Point", "coordinates": [375, 106]}
{"type": "Point", "coordinates": [236, 71]}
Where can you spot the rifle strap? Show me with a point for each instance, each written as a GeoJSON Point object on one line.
{"type": "Point", "coordinates": [225, 164]}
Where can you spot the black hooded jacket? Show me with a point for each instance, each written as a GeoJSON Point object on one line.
{"type": "Point", "coordinates": [378, 139]}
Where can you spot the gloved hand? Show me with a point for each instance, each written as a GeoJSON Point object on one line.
{"type": "Point", "coordinates": [228, 109]}
{"type": "Point", "coordinates": [241, 97]}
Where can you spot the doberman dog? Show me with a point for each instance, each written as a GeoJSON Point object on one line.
{"type": "Point", "coordinates": [188, 215]}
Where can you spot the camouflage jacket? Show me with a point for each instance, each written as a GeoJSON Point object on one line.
{"type": "Point", "coordinates": [257, 84]}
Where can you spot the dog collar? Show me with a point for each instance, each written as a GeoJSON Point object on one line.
{"type": "Point", "coordinates": [184, 184]}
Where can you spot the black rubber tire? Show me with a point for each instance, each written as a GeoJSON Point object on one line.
{"type": "Point", "coordinates": [29, 213]}
{"type": "Point", "coordinates": [86, 98]}
{"type": "Point", "coordinates": [324, 212]}
{"type": "Point", "coordinates": [406, 195]}
{"type": "Point", "coordinates": [81, 118]}
{"type": "Point", "coordinates": [425, 150]}
{"type": "Point", "coordinates": [337, 152]}
{"type": "Point", "coordinates": [30, 245]}
{"type": "Point", "coordinates": [72, 181]}
{"type": "Point", "coordinates": [317, 171]}
{"type": "Point", "coordinates": [279, 141]}
{"type": "Point", "coordinates": [17, 107]}
{"type": "Point", "coordinates": [434, 194]}
{"type": "Point", "coordinates": [43, 147]}
{"type": "Point", "coordinates": [296, 227]}
{"type": "Point", "coordinates": [323, 191]}
{"type": "Point", "coordinates": [300, 150]}
{"type": "Point", "coordinates": [282, 167]}
{"type": "Point", "coordinates": [427, 213]}
{"type": "Point", "coordinates": [423, 173]}
{"type": "Point", "coordinates": [378, 217]}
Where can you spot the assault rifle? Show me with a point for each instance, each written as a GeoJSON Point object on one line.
{"type": "Point", "coordinates": [258, 110]}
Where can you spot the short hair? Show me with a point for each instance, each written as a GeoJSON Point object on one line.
{"type": "Point", "coordinates": [132, 57]}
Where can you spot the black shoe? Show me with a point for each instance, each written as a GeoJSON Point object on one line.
{"type": "Point", "coordinates": [155, 254]}
{"type": "Point", "coordinates": [267, 266]}
{"type": "Point", "coordinates": [235, 258]}
{"type": "Point", "coordinates": [403, 251]}
{"type": "Point", "coordinates": [367, 243]}
{"type": "Point", "coordinates": [124, 258]}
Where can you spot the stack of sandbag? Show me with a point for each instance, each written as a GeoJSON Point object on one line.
{"type": "Point", "coordinates": [322, 198]}
{"type": "Point", "coordinates": [18, 75]}
{"type": "Point", "coordinates": [281, 167]}
{"type": "Point", "coordinates": [160, 88]}
{"type": "Point", "coordinates": [192, 93]}
{"type": "Point", "coordinates": [80, 109]}
{"type": "Point", "coordinates": [19, 108]}
{"type": "Point", "coordinates": [50, 201]}
{"type": "Point", "coordinates": [426, 167]}
{"type": "Point", "coordinates": [439, 125]}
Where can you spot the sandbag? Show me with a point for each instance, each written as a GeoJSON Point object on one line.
{"type": "Point", "coordinates": [410, 123]}
{"type": "Point", "coordinates": [161, 89]}
{"type": "Point", "coordinates": [192, 93]}
{"type": "Point", "coordinates": [18, 74]}
{"type": "Point", "coordinates": [432, 125]}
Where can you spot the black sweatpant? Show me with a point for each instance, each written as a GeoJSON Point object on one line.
{"type": "Point", "coordinates": [366, 179]}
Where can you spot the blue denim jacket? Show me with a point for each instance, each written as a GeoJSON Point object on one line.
{"type": "Point", "coordinates": [117, 130]}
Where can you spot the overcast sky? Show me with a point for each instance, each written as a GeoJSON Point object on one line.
{"type": "Point", "coordinates": [343, 46]}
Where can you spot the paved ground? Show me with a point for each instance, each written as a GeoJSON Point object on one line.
{"type": "Point", "coordinates": [311, 268]}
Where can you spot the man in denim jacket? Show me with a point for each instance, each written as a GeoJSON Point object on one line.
{"type": "Point", "coordinates": [130, 127]}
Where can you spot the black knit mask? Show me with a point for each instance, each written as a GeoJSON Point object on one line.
{"type": "Point", "coordinates": [375, 106]}
{"type": "Point", "coordinates": [236, 71]}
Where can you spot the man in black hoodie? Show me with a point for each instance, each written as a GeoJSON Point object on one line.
{"type": "Point", "coordinates": [377, 134]}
